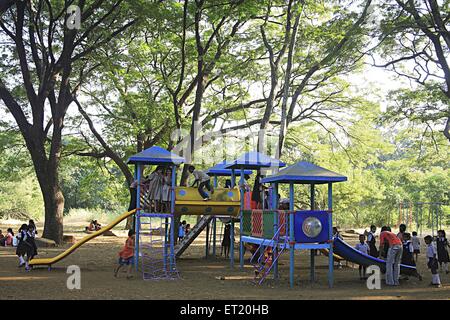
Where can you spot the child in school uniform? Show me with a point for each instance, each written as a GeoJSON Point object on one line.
{"type": "Point", "coordinates": [442, 251]}
{"type": "Point", "coordinates": [166, 186]}
{"type": "Point", "coordinates": [416, 245]}
{"type": "Point", "coordinates": [408, 254]}
{"type": "Point", "coordinates": [155, 185]}
{"type": "Point", "coordinates": [32, 232]}
{"type": "Point", "coordinates": [371, 241]}
{"type": "Point", "coordinates": [363, 247]}
{"type": "Point", "coordinates": [126, 255]}
{"type": "Point", "coordinates": [432, 262]}
{"type": "Point", "coordinates": [24, 249]}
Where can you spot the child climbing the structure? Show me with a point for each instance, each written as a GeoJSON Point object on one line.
{"type": "Point", "coordinates": [202, 180]}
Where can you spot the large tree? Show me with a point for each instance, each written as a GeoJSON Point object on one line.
{"type": "Point", "coordinates": [45, 59]}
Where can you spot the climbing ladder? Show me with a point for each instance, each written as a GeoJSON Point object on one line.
{"type": "Point", "coordinates": [155, 252]}
{"type": "Point", "coordinates": [263, 265]}
{"type": "Point", "coordinates": [190, 237]}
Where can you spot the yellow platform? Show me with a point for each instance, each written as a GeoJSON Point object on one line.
{"type": "Point", "coordinates": [223, 202]}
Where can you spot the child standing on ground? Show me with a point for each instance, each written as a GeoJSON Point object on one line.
{"type": "Point", "coordinates": [126, 255]}
{"type": "Point", "coordinates": [371, 241]}
{"type": "Point", "coordinates": [363, 247]}
{"type": "Point", "coordinates": [24, 249]}
{"type": "Point", "coordinates": [202, 180]}
{"type": "Point", "coordinates": [442, 251]}
{"type": "Point", "coordinates": [432, 262]}
{"type": "Point", "coordinates": [226, 241]}
{"type": "Point", "coordinates": [416, 245]}
{"type": "Point", "coordinates": [32, 232]}
{"type": "Point", "coordinates": [182, 230]}
{"type": "Point", "coordinates": [402, 230]}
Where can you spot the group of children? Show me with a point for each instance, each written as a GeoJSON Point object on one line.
{"type": "Point", "coordinates": [404, 248]}
{"type": "Point", "coordinates": [157, 186]}
{"type": "Point", "coordinates": [24, 241]}
{"type": "Point", "coordinates": [8, 239]}
{"type": "Point", "coordinates": [183, 229]}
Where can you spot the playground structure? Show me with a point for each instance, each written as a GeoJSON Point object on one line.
{"type": "Point", "coordinates": [416, 213]}
{"type": "Point", "coordinates": [291, 230]}
{"type": "Point", "coordinates": [272, 230]}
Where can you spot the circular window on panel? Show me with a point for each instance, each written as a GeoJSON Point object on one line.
{"type": "Point", "coordinates": [311, 227]}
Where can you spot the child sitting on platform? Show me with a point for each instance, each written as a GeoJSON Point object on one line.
{"type": "Point", "coordinates": [363, 247]}
{"type": "Point", "coordinates": [126, 255]}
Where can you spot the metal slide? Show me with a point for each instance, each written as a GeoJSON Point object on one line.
{"type": "Point", "coordinates": [349, 253]}
{"type": "Point", "coordinates": [50, 261]}
{"type": "Point", "coordinates": [190, 237]}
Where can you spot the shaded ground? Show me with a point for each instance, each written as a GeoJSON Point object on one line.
{"type": "Point", "coordinates": [199, 278]}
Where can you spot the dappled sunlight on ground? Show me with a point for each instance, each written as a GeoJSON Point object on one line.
{"type": "Point", "coordinates": [200, 278]}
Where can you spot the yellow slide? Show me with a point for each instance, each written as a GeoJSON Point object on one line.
{"type": "Point", "coordinates": [50, 261]}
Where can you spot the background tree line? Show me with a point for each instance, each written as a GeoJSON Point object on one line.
{"type": "Point", "coordinates": [78, 102]}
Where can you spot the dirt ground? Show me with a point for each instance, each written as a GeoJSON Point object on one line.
{"type": "Point", "coordinates": [200, 278]}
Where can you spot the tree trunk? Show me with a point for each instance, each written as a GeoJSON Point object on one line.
{"type": "Point", "coordinates": [54, 210]}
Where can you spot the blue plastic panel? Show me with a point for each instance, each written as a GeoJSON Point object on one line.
{"type": "Point", "coordinates": [300, 236]}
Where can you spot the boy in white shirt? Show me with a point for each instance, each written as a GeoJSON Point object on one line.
{"type": "Point", "coordinates": [416, 245]}
{"type": "Point", "coordinates": [363, 247]}
{"type": "Point", "coordinates": [202, 180]}
{"type": "Point", "coordinates": [432, 262]}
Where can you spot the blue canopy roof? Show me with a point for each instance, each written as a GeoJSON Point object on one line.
{"type": "Point", "coordinates": [219, 170]}
{"type": "Point", "coordinates": [155, 155]}
{"type": "Point", "coordinates": [305, 173]}
{"type": "Point", "coordinates": [254, 160]}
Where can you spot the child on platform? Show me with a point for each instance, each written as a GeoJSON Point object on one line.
{"type": "Point", "coordinates": [432, 262]}
{"type": "Point", "coordinates": [167, 185]}
{"type": "Point", "coordinates": [416, 245]}
{"type": "Point", "coordinates": [363, 247]}
{"type": "Point", "coordinates": [442, 251]}
{"type": "Point", "coordinates": [202, 180]}
{"type": "Point", "coordinates": [126, 255]}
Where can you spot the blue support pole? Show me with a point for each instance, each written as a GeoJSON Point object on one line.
{"type": "Point", "coordinates": [214, 237]}
{"type": "Point", "coordinates": [312, 251]}
{"type": "Point", "coordinates": [291, 235]}
{"type": "Point", "coordinates": [276, 221]}
{"type": "Point", "coordinates": [330, 235]}
{"type": "Point", "coordinates": [137, 225]}
{"type": "Point", "coordinates": [172, 220]}
{"type": "Point", "coordinates": [233, 178]}
{"type": "Point", "coordinates": [241, 244]}
{"type": "Point", "coordinates": [215, 181]}
{"type": "Point", "coordinates": [233, 184]}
